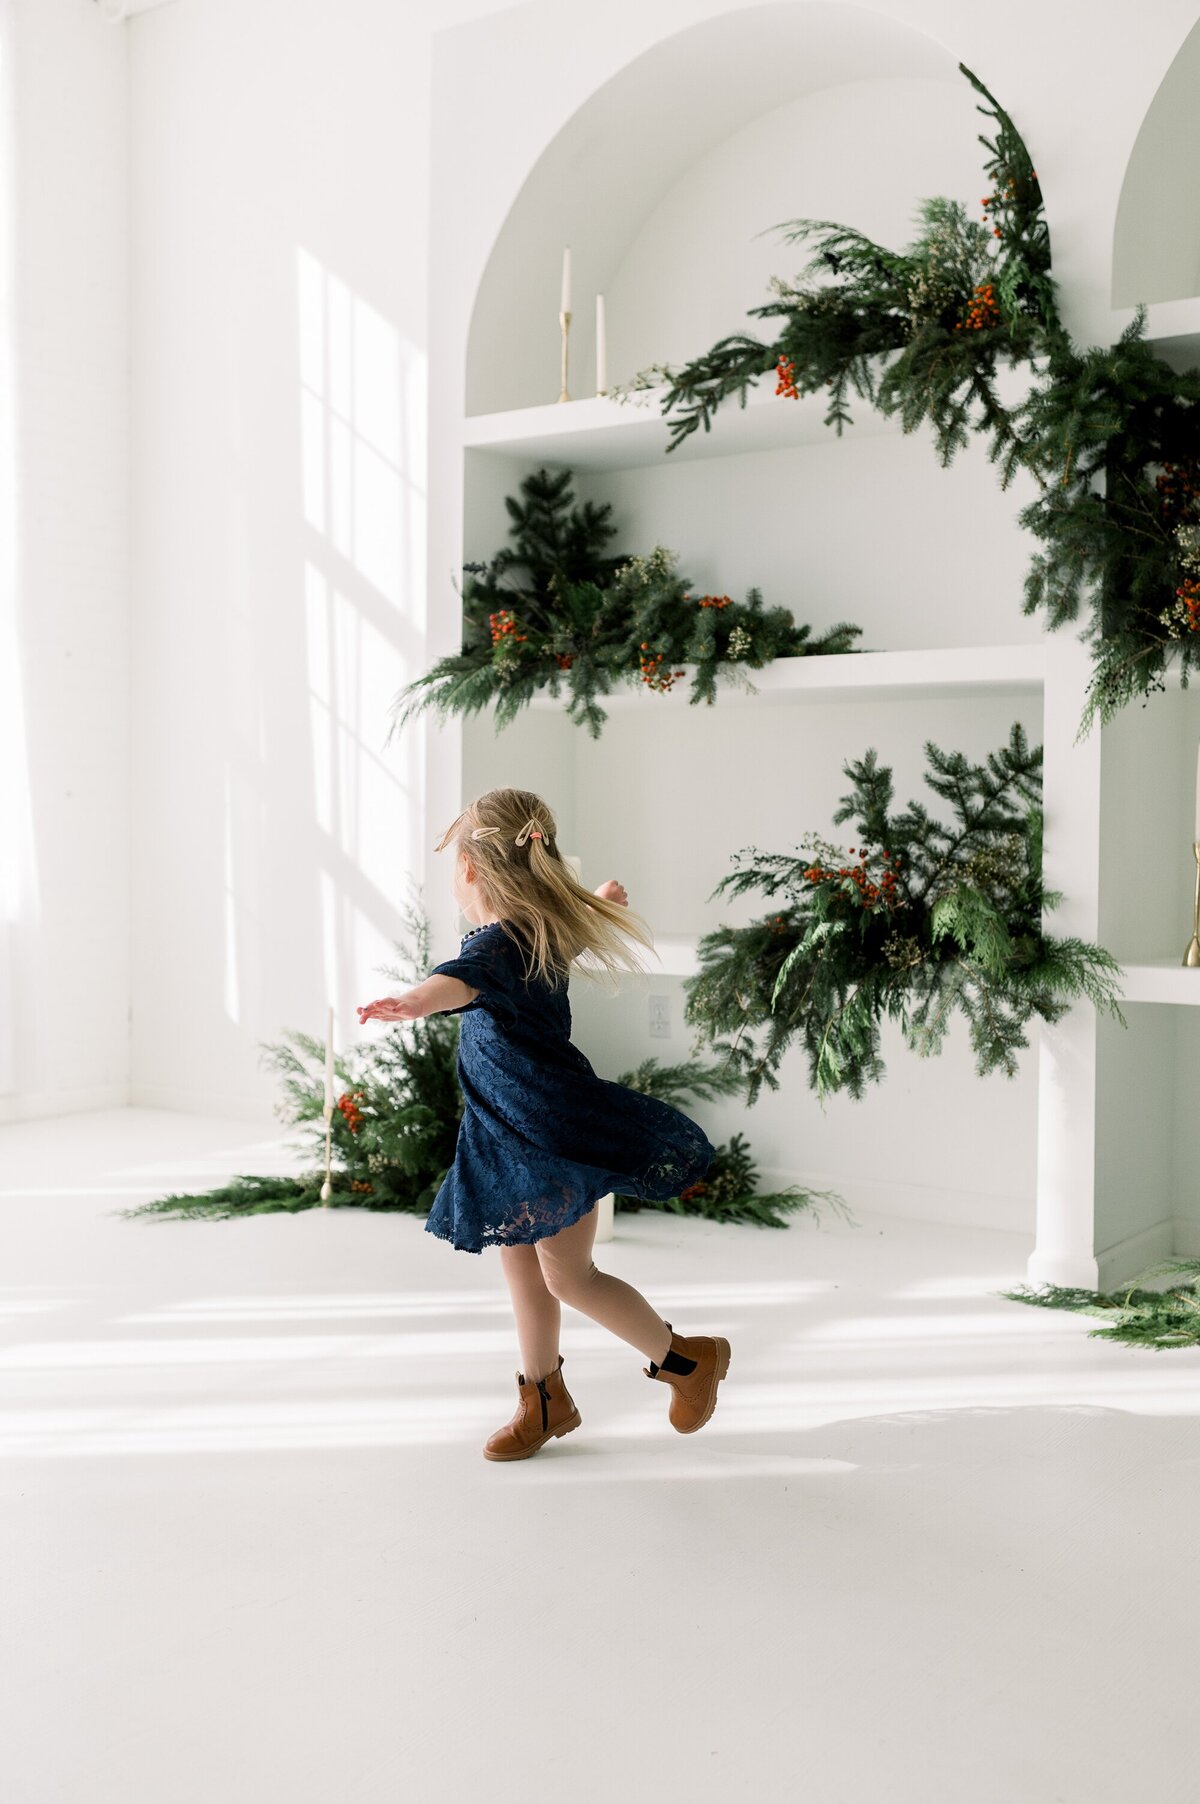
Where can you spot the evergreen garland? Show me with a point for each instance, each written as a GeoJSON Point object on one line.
{"type": "Point", "coordinates": [555, 611]}
{"type": "Point", "coordinates": [1136, 1316]}
{"type": "Point", "coordinates": [396, 1122]}
{"type": "Point", "coordinates": [1110, 435]}
{"type": "Point", "coordinates": [919, 920]}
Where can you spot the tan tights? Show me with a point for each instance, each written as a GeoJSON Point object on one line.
{"type": "Point", "coordinates": [559, 1269]}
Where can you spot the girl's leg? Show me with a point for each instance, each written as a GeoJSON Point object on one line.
{"type": "Point", "coordinates": [571, 1276]}
{"type": "Point", "coordinates": [536, 1308]}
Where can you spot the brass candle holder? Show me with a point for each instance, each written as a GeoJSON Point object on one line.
{"type": "Point", "coordinates": [1192, 955]}
{"type": "Point", "coordinates": [564, 320]}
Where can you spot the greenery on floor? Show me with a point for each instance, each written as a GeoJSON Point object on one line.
{"type": "Point", "coordinates": [918, 921]}
{"type": "Point", "coordinates": [1138, 1316]}
{"type": "Point", "coordinates": [556, 612]}
{"type": "Point", "coordinates": [396, 1122]}
{"type": "Point", "coordinates": [1109, 434]}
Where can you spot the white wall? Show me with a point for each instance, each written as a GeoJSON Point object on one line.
{"type": "Point", "coordinates": [64, 619]}
{"type": "Point", "coordinates": [280, 170]}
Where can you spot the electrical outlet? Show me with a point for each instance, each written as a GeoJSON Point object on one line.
{"type": "Point", "coordinates": [660, 1017]}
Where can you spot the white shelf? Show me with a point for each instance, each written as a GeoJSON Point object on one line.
{"type": "Point", "coordinates": [944, 671]}
{"type": "Point", "coordinates": [599, 433]}
{"type": "Point", "coordinates": [1162, 980]}
{"type": "Point", "coordinates": [1172, 327]}
{"type": "Point", "coordinates": [676, 956]}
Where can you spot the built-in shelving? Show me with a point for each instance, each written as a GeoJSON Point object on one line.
{"type": "Point", "coordinates": [1172, 327]}
{"type": "Point", "coordinates": [601, 433]}
{"type": "Point", "coordinates": [1161, 980]}
{"type": "Point", "coordinates": [949, 672]}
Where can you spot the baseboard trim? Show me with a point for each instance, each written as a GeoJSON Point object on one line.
{"type": "Point", "coordinates": [1008, 1214]}
{"type": "Point", "coordinates": [1126, 1258]}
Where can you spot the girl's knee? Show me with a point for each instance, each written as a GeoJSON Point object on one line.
{"type": "Point", "coordinates": [565, 1282]}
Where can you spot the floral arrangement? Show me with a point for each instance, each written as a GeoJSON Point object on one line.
{"type": "Point", "coordinates": [555, 612]}
{"type": "Point", "coordinates": [918, 921]}
{"type": "Point", "coordinates": [396, 1119]}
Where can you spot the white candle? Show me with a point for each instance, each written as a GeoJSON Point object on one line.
{"type": "Point", "coordinates": [565, 303]}
{"type": "Point", "coordinates": [329, 1060]}
{"type": "Point", "coordinates": [1196, 835]}
{"type": "Point", "coordinates": [601, 348]}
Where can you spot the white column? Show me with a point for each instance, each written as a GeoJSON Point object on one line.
{"type": "Point", "coordinates": [1065, 1249]}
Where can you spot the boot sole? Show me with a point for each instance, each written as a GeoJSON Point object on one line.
{"type": "Point", "coordinates": [527, 1452]}
{"type": "Point", "coordinates": [719, 1371]}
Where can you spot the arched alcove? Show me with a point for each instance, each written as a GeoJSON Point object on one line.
{"type": "Point", "coordinates": [686, 112]}
{"type": "Point", "coordinates": [1156, 238]}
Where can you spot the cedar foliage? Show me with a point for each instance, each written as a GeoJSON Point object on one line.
{"type": "Point", "coordinates": [1137, 1316]}
{"type": "Point", "coordinates": [395, 1128]}
{"type": "Point", "coordinates": [1109, 434]}
{"type": "Point", "coordinates": [922, 919]}
{"type": "Point", "coordinates": [555, 611]}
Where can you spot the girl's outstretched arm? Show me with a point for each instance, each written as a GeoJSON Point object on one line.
{"type": "Point", "coordinates": [432, 997]}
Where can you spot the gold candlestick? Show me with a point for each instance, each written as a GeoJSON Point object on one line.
{"type": "Point", "coordinates": [1192, 955]}
{"type": "Point", "coordinates": [327, 1186]}
{"type": "Point", "coordinates": [564, 320]}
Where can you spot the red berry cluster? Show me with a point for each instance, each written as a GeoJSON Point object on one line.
{"type": "Point", "coordinates": [504, 626]}
{"type": "Point", "coordinates": [1178, 488]}
{"type": "Point", "coordinates": [785, 369]}
{"type": "Point", "coordinates": [692, 1191]}
{"type": "Point", "coordinates": [778, 923]}
{"type": "Point", "coordinates": [564, 659]}
{"type": "Point", "coordinates": [715, 601]}
{"type": "Point", "coordinates": [982, 309]}
{"type": "Point", "coordinates": [362, 1187]}
{"type": "Point", "coordinates": [996, 200]}
{"type": "Point", "coordinates": [1189, 596]}
{"type": "Point", "coordinates": [348, 1104]}
{"type": "Point", "coordinates": [653, 675]}
{"type": "Point", "coordinates": [869, 893]}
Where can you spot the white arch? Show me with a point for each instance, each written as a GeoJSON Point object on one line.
{"type": "Point", "coordinates": [625, 147]}
{"type": "Point", "coordinates": [1156, 232]}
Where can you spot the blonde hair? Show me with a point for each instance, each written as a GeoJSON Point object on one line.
{"type": "Point", "coordinates": [509, 837]}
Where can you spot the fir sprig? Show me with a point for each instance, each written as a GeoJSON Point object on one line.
{"type": "Point", "coordinates": [555, 612]}
{"type": "Point", "coordinates": [923, 919]}
{"type": "Point", "coordinates": [1137, 1316]}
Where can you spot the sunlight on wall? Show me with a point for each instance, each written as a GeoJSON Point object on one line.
{"type": "Point", "coordinates": [363, 473]}
{"type": "Point", "coordinates": [231, 966]}
{"type": "Point", "coordinates": [18, 867]}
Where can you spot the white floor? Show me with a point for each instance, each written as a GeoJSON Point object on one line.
{"type": "Point", "coordinates": [932, 1546]}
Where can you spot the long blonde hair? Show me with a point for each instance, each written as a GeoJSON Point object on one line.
{"type": "Point", "coordinates": [509, 837]}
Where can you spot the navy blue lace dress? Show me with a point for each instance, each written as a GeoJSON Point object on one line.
{"type": "Point", "coordinates": [542, 1137]}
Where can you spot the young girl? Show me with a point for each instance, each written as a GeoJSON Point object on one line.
{"type": "Point", "coordinates": [542, 1137]}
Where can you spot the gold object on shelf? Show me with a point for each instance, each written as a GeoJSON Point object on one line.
{"type": "Point", "coordinates": [564, 320]}
{"type": "Point", "coordinates": [1192, 955]}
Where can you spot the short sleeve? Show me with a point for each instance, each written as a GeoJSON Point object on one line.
{"type": "Point", "coordinates": [488, 963]}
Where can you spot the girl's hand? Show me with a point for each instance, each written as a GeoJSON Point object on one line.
{"type": "Point", "coordinates": [612, 891]}
{"type": "Point", "coordinates": [390, 1008]}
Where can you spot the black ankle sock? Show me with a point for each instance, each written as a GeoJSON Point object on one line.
{"type": "Point", "coordinates": [674, 1362]}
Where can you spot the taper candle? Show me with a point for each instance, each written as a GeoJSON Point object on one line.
{"type": "Point", "coordinates": [329, 1060]}
{"type": "Point", "coordinates": [602, 356]}
{"type": "Point", "coordinates": [564, 305]}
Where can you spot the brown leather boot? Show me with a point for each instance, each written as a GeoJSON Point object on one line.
{"type": "Point", "coordinates": [544, 1409]}
{"type": "Point", "coordinates": [694, 1396]}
